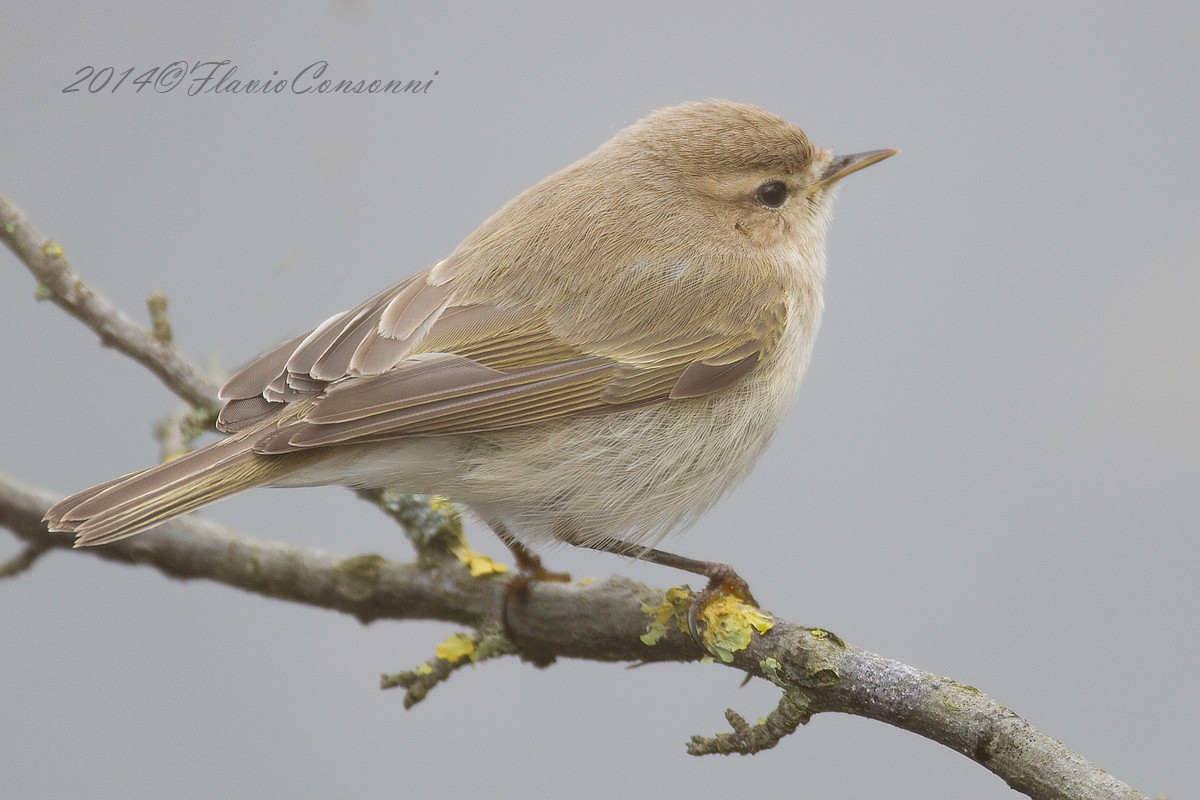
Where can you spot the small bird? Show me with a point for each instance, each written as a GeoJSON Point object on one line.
{"type": "Point", "coordinates": [596, 364]}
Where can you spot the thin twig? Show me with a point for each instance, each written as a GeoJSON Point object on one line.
{"type": "Point", "coordinates": [23, 560]}
{"type": "Point", "coordinates": [57, 282]}
{"type": "Point", "coordinates": [178, 430]}
{"type": "Point", "coordinates": [792, 712]}
{"type": "Point", "coordinates": [460, 650]}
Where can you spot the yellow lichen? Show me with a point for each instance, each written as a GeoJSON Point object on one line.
{"type": "Point", "coordinates": [448, 510]}
{"type": "Point", "coordinates": [423, 669]}
{"type": "Point", "coordinates": [674, 605]}
{"type": "Point", "coordinates": [52, 249]}
{"type": "Point", "coordinates": [456, 648]}
{"type": "Point", "coordinates": [478, 563]}
{"type": "Point", "coordinates": [730, 624]}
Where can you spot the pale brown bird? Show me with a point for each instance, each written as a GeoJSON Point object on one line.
{"type": "Point", "coordinates": [596, 364]}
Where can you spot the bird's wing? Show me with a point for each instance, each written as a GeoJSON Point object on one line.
{"type": "Point", "coordinates": [417, 360]}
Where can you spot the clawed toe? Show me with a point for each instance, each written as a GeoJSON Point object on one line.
{"type": "Point", "coordinates": [722, 581]}
{"type": "Point", "coordinates": [531, 571]}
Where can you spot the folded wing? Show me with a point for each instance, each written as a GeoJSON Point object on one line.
{"type": "Point", "coordinates": [416, 360]}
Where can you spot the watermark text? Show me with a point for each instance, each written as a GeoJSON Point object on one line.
{"type": "Point", "coordinates": [221, 77]}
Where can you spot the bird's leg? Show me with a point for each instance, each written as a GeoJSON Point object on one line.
{"type": "Point", "coordinates": [721, 578]}
{"type": "Point", "coordinates": [529, 570]}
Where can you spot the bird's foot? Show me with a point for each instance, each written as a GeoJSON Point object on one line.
{"type": "Point", "coordinates": [722, 581]}
{"type": "Point", "coordinates": [529, 571]}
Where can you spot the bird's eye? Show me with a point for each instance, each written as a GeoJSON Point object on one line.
{"type": "Point", "coordinates": [772, 194]}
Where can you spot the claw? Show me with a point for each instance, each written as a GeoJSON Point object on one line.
{"type": "Point", "coordinates": [693, 625]}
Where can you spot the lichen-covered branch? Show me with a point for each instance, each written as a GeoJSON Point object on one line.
{"type": "Point", "coordinates": [458, 651]}
{"type": "Point", "coordinates": [152, 349]}
{"type": "Point", "coordinates": [606, 621]}
{"type": "Point", "coordinates": [792, 712]}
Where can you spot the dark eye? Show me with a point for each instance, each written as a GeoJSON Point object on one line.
{"type": "Point", "coordinates": [772, 194]}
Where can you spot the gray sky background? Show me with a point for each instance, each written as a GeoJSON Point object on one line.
{"type": "Point", "coordinates": [991, 472]}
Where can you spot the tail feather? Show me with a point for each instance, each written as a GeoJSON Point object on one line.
{"type": "Point", "coordinates": [138, 501]}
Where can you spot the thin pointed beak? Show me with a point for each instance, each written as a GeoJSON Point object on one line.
{"type": "Point", "coordinates": [844, 165]}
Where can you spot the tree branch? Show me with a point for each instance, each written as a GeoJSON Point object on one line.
{"type": "Point", "coordinates": [59, 283]}
{"type": "Point", "coordinates": [606, 621]}
{"type": "Point", "coordinates": [613, 620]}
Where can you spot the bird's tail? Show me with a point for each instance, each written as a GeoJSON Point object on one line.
{"type": "Point", "coordinates": [132, 503]}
